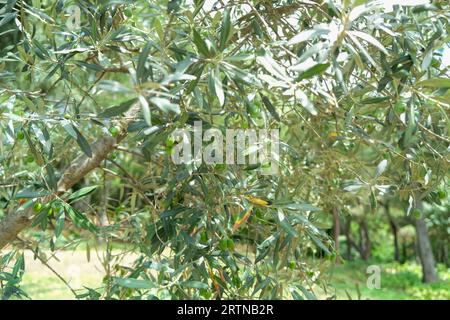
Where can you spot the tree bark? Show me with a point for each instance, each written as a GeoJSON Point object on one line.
{"type": "Point", "coordinates": [336, 232]}
{"type": "Point", "coordinates": [365, 244]}
{"type": "Point", "coordinates": [425, 251]}
{"type": "Point", "coordinates": [445, 254]}
{"type": "Point", "coordinates": [13, 224]}
{"type": "Point", "coordinates": [394, 230]}
{"type": "Point", "coordinates": [348, 236]}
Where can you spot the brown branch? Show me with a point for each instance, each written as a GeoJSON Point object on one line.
{"type": "Point", "coordinates": [13, 224]}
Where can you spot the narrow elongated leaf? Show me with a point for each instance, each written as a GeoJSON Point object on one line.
{"type": "Point", "coordinates": [364, 8]}
{"type": "Point", "coordinates": [165, 105]}
{"type": "Point", "coordinates": [226, 28]}
{"type": "Point", "coordinates": [133, 283]}
{"type": "Point", "coordinates": [307, 35]}
{"type": "Point", "coordinates": [218, 89]}
{"type": "Point", "coordinates": [285, 224]}
{"type": "Point", "coordinates": [308, 294]}
{"type": "Point", "coordinates": [198, 7]}
{"type": "Point", "coordinates": [146, 110]}
{"type": "Point", "coordinates": [68, 127]}
{"type": "Point", "coordinates": [81, 193]}
{"type": "Point", "coordinates": [374, 100]}
{"type": "Point", "coordinates": [195, 285]}
{"type": "Point", "coordinates": [270, 107]}
{"type": "Point", "coordinates": [313, 71]}
{"type": "Point", "coordinates": [200, 44]}
{"type": "Point", "coordinates": [373, 200]}
{"type": "Point", "coordinates": [7, 18]}
{"type": "Point", "coordinates": [59, 225]}
{"type": "Point", "coordinates": [435, 83]}
{"type": "Point", "coordinates": [318, 243]}
{"type": "Point", "coordinates": [367, 37]}
{"type": "Point", "coordinates": [351, 186]}
{"type": "Point", "coordinates": [91, 66]}
{"type": "Point", "coordinates": [51, 178]}
{"type": "Point", "coordinates": [305, 102]}
{"type": "Point", "coordinates": [140, 69]}
{"type": "Point", "coordinates": [380, 168]}
{"type": "Point", "coordinates": [272, 66]}
{"type": "Point", "coordinates": [82, 142]}
{"type": "Point", "coordinates": [296, 295]}
{"type": "Point", "coordinates": [117, 110]}
{"type": "Point", "coordinates": [113, 86]}
{"type": "Point", "coordinates": [79, 219]}
{"type": "Point", "coordinates": [30, 194]}
{"type": "Point", "coordinates": [296, 206]}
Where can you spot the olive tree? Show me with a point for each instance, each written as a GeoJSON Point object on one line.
{"type": "Point", "coordinates": [92, 91]}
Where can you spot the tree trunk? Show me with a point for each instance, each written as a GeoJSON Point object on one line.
{"type": "Point", "coordinates": [445, 254]}
{"type": "Point", "coordinates": [396, 247]}
{"type": "Point", "coordinates": [365, 244]}
{"type": "Point", "coordinates": [404, 253]}
{"type": "Point", "coordinates": [348, 237]}
{"type": "Point", "coordinates": [336, 232]}
{"type": "Point", "coordinates": [394, 230]}
{"type": "Point", "coordinates": [425, 252]}
{"type": "Point", "coordinates": [13, 224]}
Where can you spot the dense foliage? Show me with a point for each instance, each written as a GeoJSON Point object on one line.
{"type": "Point", "coordinates": [358, 89]}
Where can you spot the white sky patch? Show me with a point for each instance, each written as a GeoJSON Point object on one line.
{"type": "Point", "coordinates": [446, 57]}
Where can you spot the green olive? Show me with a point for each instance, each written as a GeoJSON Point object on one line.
{"type": "Point", "coordinates": [442, 194]}
{"type": "Point", "coordinates": [253, 110]}
{"type": "Point", "coordinates": [204, 237]}
{"type": "Point", "coordinates": [170, 143]}
{"type": "Point", "coordinates": [127, 12]}
{"type": "Point", "coordinates": [37, 207]}
{"type": "Point", "coordinates": [67, 116]}
{"type": "Point", "coordinates": [29, 159]}
{"type": "Point", "coordinates": [230, 244]}
{"type": "Point", "coordinates": [20, 135]}
{"type": "Point", "coordinates": [292, 264]}
{"type": "Point", "coordinates": [220, 166]}
{"type": "Point", "coordinates": [223, 244]}
{"type": "Point", "coordinates": [114, 131]}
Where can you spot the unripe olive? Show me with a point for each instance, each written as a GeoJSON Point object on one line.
{"type": "Point", "coordinates": [253, 110]}
{"type": "Point", "coordinates": [442, 194]}
{"type": "Point", "coordinates": [170, 143]}
{"type": "Point", "coordinates": [29, 159]}
{"type": "Point", "coordinates": [220, 166]}
{"type": "Point", "coordinates": [67, 116]}
{"type": "Point", "coordinates": [20, 135]}
{"type": "Point", "coordinates": [230, 244]}
{"type": "Point", "coordinates": [37, 207]}
{"type": "Point", "coordinates": [223, 244]}
{"type": "Point", "coordinates": [204, 237]}
{"type": "Point", "coordinates": [127, 12]}
{"type": "Point", "coordinates": [292, 264]}
{"type": "Point", "coordinates": [114, 131]}
{"type": "Point", "coordinates": [205, 293]}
